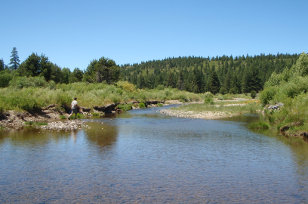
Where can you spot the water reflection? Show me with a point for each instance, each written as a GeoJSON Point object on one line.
{"type": "Point", "coordinates": [144, 157]}
{"type": "Point", "coordinates": [32, 137]}
{"type": "Point", "coordinates": [101, 134]}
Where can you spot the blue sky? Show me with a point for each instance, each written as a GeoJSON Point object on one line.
{"type": "Point", "coordinates": [74, 32]}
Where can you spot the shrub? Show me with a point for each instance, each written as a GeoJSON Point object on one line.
{"type": "Point", "coordinates": [23, 82]}
{"type": "Point", "coordinates": [160, 87]}
{"type": "Point", "coordinates": [260, 125]}
{"type": "Point", "coordinates": [208, 98]}
{"type": "Point", "coordinates": [142, 105]}
{"type": "Point", "coordinates": [95, 115]}
{"type": "Point", "coordinates": [160, 105]}
{"type": "Point", "coordinates": [126, 86]}
{"type": "Point", "coordinates": [183, 98]}
{"type": "Point", "coordinates": [5, 78]}
{"type": "Point", "coordinates": [125, 107]}
{"type": "Point", "coordinates": [267, 95]}
{"type": "Point", "coordinates": [253, 94]}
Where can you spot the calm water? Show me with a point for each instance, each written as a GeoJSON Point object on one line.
{"type": "Point", "coordinates": [144, 157]}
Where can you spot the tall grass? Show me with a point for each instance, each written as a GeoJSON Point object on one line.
{"type": "Point", "coordinates": [35, 96]}
{"type": "Point", "coordinates": [291, 89]}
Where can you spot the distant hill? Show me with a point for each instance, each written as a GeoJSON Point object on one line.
{"type": "Point", "coordinates": [225, 74]}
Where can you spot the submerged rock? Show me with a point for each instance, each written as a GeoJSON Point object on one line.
{"type": "Point", "coordinates": [64, 125]}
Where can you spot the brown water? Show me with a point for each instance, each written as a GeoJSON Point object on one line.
{"type": "Point", "coordinates": [144, 157]}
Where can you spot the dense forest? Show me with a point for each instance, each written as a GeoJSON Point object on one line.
{"type": "Point", "coordinates": [197, 74]}
{"type": "Point", "coordinates": [225, 74]}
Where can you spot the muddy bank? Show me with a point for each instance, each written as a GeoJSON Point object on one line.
{"type": "Point", "coordinates": [46, 121]}
{"type": "Point", "coordinates": [54, 118]}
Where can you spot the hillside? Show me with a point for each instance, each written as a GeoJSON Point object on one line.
{"type": "Point", "coordinates": [197, 74]}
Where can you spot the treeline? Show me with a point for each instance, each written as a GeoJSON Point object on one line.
{"type": "Point", "coordinates": [39, 66]}
{"type": "Point", "coordinates": [197, 74]}
{"type": "Point", "coordinates": [224, 74]}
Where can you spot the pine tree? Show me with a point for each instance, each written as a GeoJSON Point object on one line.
{"type": "Point", "coordinates": [213, 83]}
{"type": "Point", "coordinates": [2, 66]}
{"type": "Point", "coordinates": [14, 61]}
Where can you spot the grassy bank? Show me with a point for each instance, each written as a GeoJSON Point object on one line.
{"type": "Point", "coordinates": [289, 88]}
{"type": "Point", "coordinates": [226, 107]}
{"type": "Point", "coordinates": [35, 97]}
{"type": "Point", "coordinates": [214, 107]}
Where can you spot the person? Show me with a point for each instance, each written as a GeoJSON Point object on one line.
{"type": "Point", "coordinates": [74, 108]}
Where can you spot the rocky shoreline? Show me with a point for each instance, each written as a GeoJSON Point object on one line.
{"type": "Point", "coordinates": [52, 118]}
{"type": "Point", "coordinates": [209, 115]}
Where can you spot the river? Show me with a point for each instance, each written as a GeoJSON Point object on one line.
{"type": "Point", "coordinates": [144, 157]}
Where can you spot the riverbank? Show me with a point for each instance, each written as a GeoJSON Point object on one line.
{"type": "Point", "coordinates": [218, 110]}
{"type": "Point", "coordinates": [223, 109]}
{"type": "Point", "coordinates": [53, 118]}
{"type": "Point", "coordinates": [47, 119]}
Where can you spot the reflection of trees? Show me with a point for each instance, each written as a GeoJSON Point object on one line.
{"type": "Point", "coordinates": [31, 137]}
{"type": "Point", "coordinates": [2, 136]}
{"type": "Point", "coordinates": [101, 134]}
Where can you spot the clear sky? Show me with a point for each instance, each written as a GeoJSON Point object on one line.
{"type": "Point", "coordinates": [74, 32]}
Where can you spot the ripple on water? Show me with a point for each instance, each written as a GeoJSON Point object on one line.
{"type": "Point", "coordinates": [148, 158]}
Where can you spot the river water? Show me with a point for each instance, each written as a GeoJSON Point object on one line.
{"type": "Point", "coordinates": [145, 157]}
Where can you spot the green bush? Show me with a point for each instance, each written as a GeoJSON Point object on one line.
{"type": "Point", "coordinates": [260, 125]}
{"type": "Point", "coordinates": [183, 98]}
{"type": "Point", "coordinates": [126, 86]}
{"type": "Point", "coordinates": [160, 87]}
{"type": "Point", "coordinates": [23, 82]}
{"type": "Point", "coordinates": [208, 98]}
{"type": "Point", "coordinates": [5, 78]}
{"type": "Point", "coordinates": [95, 115]}
{"type": "Point", "coordinates": [142, 105]}
{"type": "Point", "coordinates": [125, 107]}
{"type": "Point", "coordinates": [253, 94]}
{"type": "Point", "coordinates": [267, 95]}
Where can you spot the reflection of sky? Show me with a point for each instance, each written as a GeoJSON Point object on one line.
{"type": "Point", "coordinates": [145, 157]}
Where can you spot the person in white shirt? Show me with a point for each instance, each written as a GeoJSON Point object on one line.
{"type": "Point", "coordinates": [74, 108]}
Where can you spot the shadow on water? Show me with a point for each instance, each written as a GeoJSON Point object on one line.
{"type": "Point", "coordinates": [100, 134]}
{"type": "Point", "coordinates": [32, 137]}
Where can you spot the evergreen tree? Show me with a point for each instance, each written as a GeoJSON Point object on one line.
{"type": "Point", "coordinates": [76, 75]}
{"type": "Point", "coordinates": [65, 75]}
{"type": "Point", "coordinates": [31, 66]}
{"type": "Point", "coordinates": [213, 83]}
{"type": "Point", "coordinates": [14, 61]}
{"type": "Point", "coordinates": [102, 70]}
{"type": "Point", "coordinates": [36, 65]}
{"type": "Point", "coordinates": [2, 66]}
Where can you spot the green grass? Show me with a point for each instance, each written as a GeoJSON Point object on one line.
{"type": "Point", "coordinates": [260, 125]}
{"type": "Point", "coordinates": [290, 88]}
{"type": "Point", "coordinates": [78, 116]}
{"type": "Point", "coordinates": [96, 115]}
{"type": "Point", "coordinates": [142, 105]}
{"type": "Point", "coordinates": [32, 123]}
{"type": "Point", "coordinates": [125, 107]}
{"type": "Point", "coordinates": [89, 95]}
